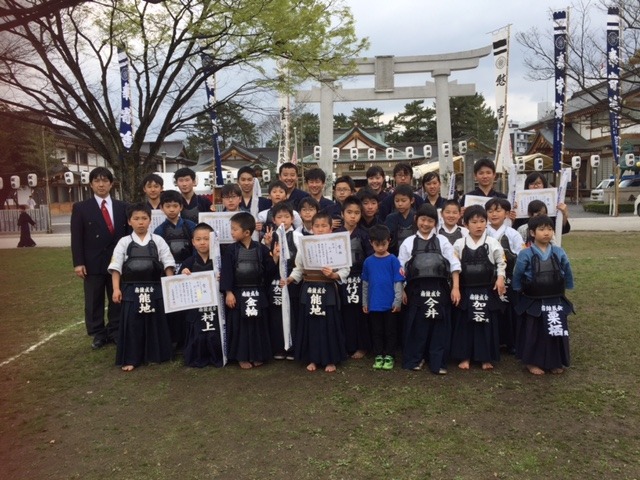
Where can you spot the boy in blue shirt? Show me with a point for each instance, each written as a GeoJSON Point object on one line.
{"type": "Point", "coordinates": [382, 296]}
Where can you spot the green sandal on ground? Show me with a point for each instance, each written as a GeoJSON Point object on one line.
{"type": "Point", "coordinates": [388, 363]}
{"type": "Point", "coordinates": [379, 362]}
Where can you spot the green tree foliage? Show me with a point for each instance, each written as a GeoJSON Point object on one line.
{"type": "Point", "coordinates": [69, 72]}
{"type": "Point", "coordinates": [470, 116]}
{"type": "Point", "coordinates": [415, 124]}
{"type": "Point", "coordinates": [363, 117]}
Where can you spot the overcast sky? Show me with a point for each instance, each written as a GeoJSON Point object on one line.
{"type": "Point", "coordinates": [427, 27]}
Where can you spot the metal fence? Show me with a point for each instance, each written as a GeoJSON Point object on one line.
{"type": "Point", "coordinates": [9, 219]}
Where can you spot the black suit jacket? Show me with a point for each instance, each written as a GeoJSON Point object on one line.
{"type": "Point", "coordinates": [91, 243]}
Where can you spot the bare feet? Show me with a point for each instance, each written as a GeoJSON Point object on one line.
{"type": "Point", "coordinates": [557, 371]}
{"type": "Point", "coordinates": [127, 368]}
{"type": "Point", "coordinates": [358, 354]}
{"type": "Point", "coordinates": [258, 364]}
{"type": "Point", "coordinates": [535, 370]}
{"type": "Point", "coordinates": [330, 368]}
{"type": "Point", "coordinates": [464, 365]}
{"type": "Point", "coordinates": [245, 365]}
{"type": "Point", "coordinates": [487, 366]}
{"type": "Point", "coordinates": [311, 367]}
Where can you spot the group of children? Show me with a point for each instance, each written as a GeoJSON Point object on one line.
{"type": "Point", "coordinates": [420, 283]}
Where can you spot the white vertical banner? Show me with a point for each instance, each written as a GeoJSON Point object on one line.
{"type": "Point", "coordinates": [255, 199]}
{"type": "Point", "coordinates": [504, 154]}
{"type": "Point", "coordinates": [501, 63]}
{"type": "Point", "coordinates": [565, 178]}
{"type": "Point", "coordinates": [283, 102]}
{"type": "Point", "coordinates": [286, 304]}
{"type": "Point", "coordinates": [214, 249]}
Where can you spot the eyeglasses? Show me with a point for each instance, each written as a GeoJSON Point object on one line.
{"type": "Point", "coordinates": [402, 175]}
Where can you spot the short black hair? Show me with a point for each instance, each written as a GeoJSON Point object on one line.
{"type": "Point", "coordinates": [351, 200]}
{"type": "Point", "coordinates": [402, 168]}
{"type": "Point", "coordinates": [245, 220]}
{"type": "Point", "coordinates": [321, 216]}
{"type": "Point", "coordinates": [426, 210]}
{"type": "Point", "coordinates": [427, 177]}
{"type": "Point", "coordinates": [536, 206]}
{"type": "Point", "coordinates": [404, 190]}
{"type": "Point", "coordinates": [539, 221]}
{"type": "Point", "coordinates": [101, 172]}
{"type": "Point", "coordinates": [202, 226]}
{"type": "Point", "coordinates": [379, 233]}
{"type": "Point", "coordinates": [168, 196]}
{"type": "Point", "coordinates": [450, 202]}
{"type": "Point", "coordinates": [532, 177]}
{"type": "Point", "coordinates": [184, 172]}
{"type": "Point", "coordinates": [308, 201]}
{"type": "Point", "coordinates": [152, 177]}
{"type": "Point", "coordinates": [484, 162]}
{"type": "Point", "coordinates": [315, 174]}
{"type": "Point", "coordinates": [277, 184]}
{"type": "Point", "coordinates": [498, 202]}
{"type": "Point", "coordinates": [288, 165]}
{"type": "Point", "coordinates": [282, 207]}
{"type": "Point", "coordinates": [374, 170]}
{"type": "Point", "coordinates": [138, 207]}
{"type": "Point", "coordinates": [230, 189]}
{"type": "Point", "coordinates": [474, 211]}
{"type": "Point", "coordinates": [367, 194]}
{"type": "Point", "coordinates": [246, 169]}
{"type": "Point", "coordinates": [346, 179]}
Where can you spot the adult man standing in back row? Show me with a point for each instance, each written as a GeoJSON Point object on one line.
{"type": "Point", "coordinates": [96, 226]}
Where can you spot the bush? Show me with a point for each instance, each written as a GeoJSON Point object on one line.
{"type": "Point", "coordinates": [600, 207]}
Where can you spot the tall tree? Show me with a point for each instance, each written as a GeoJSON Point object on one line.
{"type": "Point", "coordinates": [365, 117]}
{"type": "Point", "coordinates": [471, 116]}
{"type": "Point", "coordinates": [415, 124]}
{"type": "Point", "coordinates": [69, 74]}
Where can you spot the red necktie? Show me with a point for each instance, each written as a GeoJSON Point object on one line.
{"type": "Point", "coordinates": [107, 217]}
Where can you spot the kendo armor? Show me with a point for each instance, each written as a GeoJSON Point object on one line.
{"type": "Point", "coordinates": [547, 281]}
{"type": "Point", "coordinates": [509, 255]}
{"type": "Point", "coordinates": [477, 269]}
{"type": "Point", "coordinates": [427, 260]}
{"type": "Point", "coordinates": [453, 236]}
{"type": "Point", "coordinates": [179, 242]}
{"type": "Point", "coordinates": [249, 271]}
{"type": "Point", "coordinates": [198, 267]}
{"type": "Point", "coordinates": [402, 233]}
{"type": "Point", "coordinates": [142, 264]}
{"type": "Point", "coordinates": [191, 214]}
{"type": "Point", "coordinates": [357, 255]}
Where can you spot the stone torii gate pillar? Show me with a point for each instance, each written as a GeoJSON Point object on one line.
{"type": "Point", "coordinates": [384, 68]}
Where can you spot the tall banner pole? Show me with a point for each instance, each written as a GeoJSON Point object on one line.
{"type": "Point", "coordinates": [286, 303]}
{"type": "Point", "coordinates": [503, 157]}
{"type": "Point", "coordinates": [560, 24]}
{"type": "Point", "coordinates": [126, 116]}
{"type": "Point", "coordinates": [613, 87]}
{"type": "Point", "coordinates": [210, 84]}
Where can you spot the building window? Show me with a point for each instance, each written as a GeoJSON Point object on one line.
{"type": "Point", "coordinates": [83, 157]}
{"type": "Point", "coordinates": [71, 155]}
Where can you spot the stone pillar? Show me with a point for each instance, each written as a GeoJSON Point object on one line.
{"type": "Point", "coordinates": [326, 134]}
{"type": "Point", "coordinates": [443, 125]}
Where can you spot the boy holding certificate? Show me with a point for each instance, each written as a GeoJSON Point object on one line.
{"type": "Point", "coordinates": [319, 337]}
{"type": "Point", "coordinates": [203, 345]}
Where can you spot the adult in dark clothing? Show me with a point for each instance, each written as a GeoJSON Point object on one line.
{"type": "Point", "coordinates": [288, 174]}
{"type": "Point", "coordinates": [96, 226]}
{"type": "Point", "coordinates": [193, 204]}
{"type": "Point", "coordinates": [484, 171]}
{"type": "Point", "coordinates": [402, 174]}
{"type": "Point", "coordinates": [25, 222]}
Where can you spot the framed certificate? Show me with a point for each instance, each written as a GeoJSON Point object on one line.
{"type": "Point", "coordinates": [220, 222]}
{"type": "Point", "coordinates": [332, 250]}
{"type": "Point", "coordinates": [548, 195]}
{"type": "Point", "coordinates": [184, 292]}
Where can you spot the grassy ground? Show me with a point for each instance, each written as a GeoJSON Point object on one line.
{"type": "Point", "coordinates": [67, 412]}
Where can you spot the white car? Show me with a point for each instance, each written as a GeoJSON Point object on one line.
{"type": "Point", "coordinates": [636, 206]}
{"type": "Point", "coordinates": [597, 194]}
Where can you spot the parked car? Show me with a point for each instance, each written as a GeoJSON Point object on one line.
{"type": "Point", "coordinates": [636, 206]}
{"type": "Point", "coordinates": [597, 194]}
{"type": "Point", "coordinates": [628, 190]}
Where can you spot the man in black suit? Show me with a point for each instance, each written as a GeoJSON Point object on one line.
{"type": "Point", "coordinates": [96, 226]}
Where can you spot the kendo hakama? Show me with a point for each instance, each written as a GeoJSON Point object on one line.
{"type": "Point", "coordinates": [320, 335]}
{"type": "Point", "coordinates": [508, 330]}
{"type": "Point", "coordinates": [427, 322]}
{"type": "Point", "coordinates": [203, 345]}
{"type": "Point", "coordinates": [476, 320]}
{"type": "Point", "coordinates": [143, 336]}
{"type": "Point", "coordinates": [543, 338]}
{"type": "Point", "coordinates": [355, 321]}
{"type": "Point", "coordinates": [243, 272]}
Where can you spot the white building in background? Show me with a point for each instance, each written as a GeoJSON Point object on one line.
{"type": "Point", "coordinates": [520, 140]}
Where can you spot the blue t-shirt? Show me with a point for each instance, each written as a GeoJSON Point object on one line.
{"type": "Point", "coordinates": [381, 273]}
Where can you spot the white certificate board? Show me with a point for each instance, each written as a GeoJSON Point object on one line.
{"type": "Point", "coordinates": [332, 250]}
{"type": "Point", "coordinates": [470, 200]}
{"type": "Point", "coordinates": [157, 218]}
{"type": "Point", "coordinates": [220, 222]}
{"type": "Point", "coordinates": [184, 292]}
{"type": "Point", "coordinates": [525, 197]}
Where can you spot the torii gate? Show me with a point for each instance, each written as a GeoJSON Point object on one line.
{"type": "Point", "coordinates": [384, 68]}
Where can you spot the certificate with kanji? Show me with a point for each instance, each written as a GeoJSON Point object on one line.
{"type": "Point", "coordinates": [548, 196]}
{"type": "Point", "coordinates": [475, 200]}
{"type": "Point", "coordinates": [332, 250]}
{"type": "Point", "coordinates": [184, 292]}
{"type": "Point", "coordinates": [220, 222]}
{"type": "Point", "coordinates": [157, 218]}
